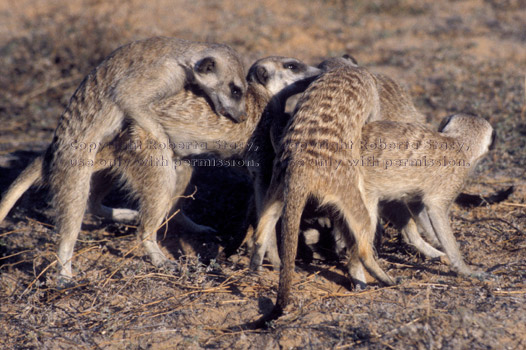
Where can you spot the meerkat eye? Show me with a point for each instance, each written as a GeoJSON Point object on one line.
{"type": "Point", "coordinates": [293, 66]}
{"type": "Point", "coordinates": [350, 58]}
{"type": "Point", "coordinates": [235, 91]}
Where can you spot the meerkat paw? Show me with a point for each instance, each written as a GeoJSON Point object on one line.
{"type": "Point", "coordinates": [257, 260]}
{"type": "Point", "coordinates": [467, 271]}
{"type": "Point", "coordinates": [274, 260]}
{"type": "Point", "coordinates": [359, 285]}
{"type": "Point", "coordinates": [121, 215]}
{"type": "Point", "coordinates": [482, 275]}
{"type": "Point", "coordinates": [65, 282]}
{"type": "Point", "coordinates": [325, 222]}
{"type": "Point", "coordinates": [157, 257]}
{"type": "Point", "coordinates": [357, 276]}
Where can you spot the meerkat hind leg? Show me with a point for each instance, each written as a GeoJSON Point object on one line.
{"type": "Point", "coordinates": [154, 187]}
{"type": "Point", "coordinates": [410, 230]}
{"type": "Point", "coordinates": [71, 192]}
{"type": "Point", "coordinates": [184, 223]}
{"type": "Point", "coordinates": [363, 254]}
{"type": "Point", "coordinates": [412, 237]}
{"type": "Point", "coordinates": [404, 211]}
{"type": "Point", "coordinates": [265, 234]}
{"type": "Point", "coordinates": [273, 252]}
{"type": "Point", "coordinates": [422, 220]}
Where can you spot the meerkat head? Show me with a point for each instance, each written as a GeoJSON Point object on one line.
{"type": "Point", "coordinates": [277, 73]}
{"type": "Point", "coordinates": [335, 62]}
{"type": "Point", "coordinates": [477, 131]}
{"type": "Point", "coordinates": [220, 74]}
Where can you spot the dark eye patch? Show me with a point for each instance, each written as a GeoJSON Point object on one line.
{"type": "Point", "coordinates": [235, 91]}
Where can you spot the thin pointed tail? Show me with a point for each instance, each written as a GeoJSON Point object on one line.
{"type": "Point", "coordinates": [26, 179]}
{"type": "Point", "coordinates": [295, 199]}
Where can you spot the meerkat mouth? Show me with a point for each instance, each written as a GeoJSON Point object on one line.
{"type": "Point", "coordinates": [223, 112]}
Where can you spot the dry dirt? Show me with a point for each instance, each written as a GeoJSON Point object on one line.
{"type": "Point", "coordinates": [452, 55]}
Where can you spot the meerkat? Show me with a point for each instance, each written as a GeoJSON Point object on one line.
{"type": "Point", "coordinates": [312, 162]}
{"type": "Point", "coordinates": [267, 136]}
{"type": "Point", "coordinates": [429, 170]}
{"type": "Point", "coordinates": [123, 88]}
{"type": "Point", "coordinates": [185, 117]}
{"type": "Point", "coordinates": [270, 81]}
{"type": "Point", "coordinates": [396, 105]}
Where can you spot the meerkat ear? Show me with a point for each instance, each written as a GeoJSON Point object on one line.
{"type": "Point", "coordinates": [205, 66]}
{"type": "Point", "coordinates": [351, 58]}
{"type": "Point", "coordinates": [444, 122]}
{"type": "Point", "coordinates": [493, 139]}
{"type": "Point", "coordinates": [262, 75]}
{"type": "Point", "coordinates": [258, 74]}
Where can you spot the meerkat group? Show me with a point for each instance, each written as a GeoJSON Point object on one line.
{"type": "Point", "coordinates": [449, 155]}
{"type": "Point", "coordinates": [395, 105]}
{"type": "Point", "coordinates": [162, 92]}
{"type": "Point", "coordinates": [211, 103]}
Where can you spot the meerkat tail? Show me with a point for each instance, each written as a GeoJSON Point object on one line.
{"type": "Point", "coordinates": [26, 179]}
{"type": "Point", "coordinates": [293, 208]}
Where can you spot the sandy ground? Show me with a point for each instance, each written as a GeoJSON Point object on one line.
{"type": "Point", "coordinates": [452, 56]}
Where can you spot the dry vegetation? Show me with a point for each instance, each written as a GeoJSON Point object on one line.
{"type": "Point", "coordinates": [453, 56]}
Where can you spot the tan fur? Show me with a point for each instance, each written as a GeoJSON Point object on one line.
{"type": "Point", "coordinates": [331, 113]}
{"type": "Point", "coordinates": [145, 162]}
{"type": "Point", "coordinates": [421, 195]}
{"type": "Point", "coordinates": [396, 103]}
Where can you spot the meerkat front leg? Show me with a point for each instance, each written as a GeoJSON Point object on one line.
{"type": "Point", "coordinates": [440, 222]}
{"type": "Point", "coordinates": [99, 189]}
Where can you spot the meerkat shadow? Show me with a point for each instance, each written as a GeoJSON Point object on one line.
{"type": "Point", "coordinates": [216, 199]}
